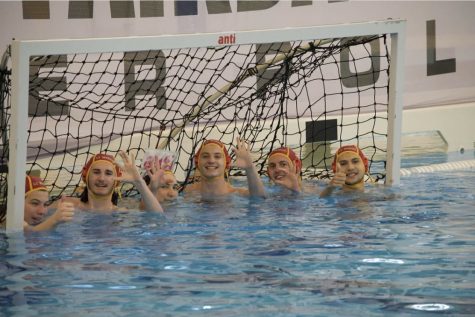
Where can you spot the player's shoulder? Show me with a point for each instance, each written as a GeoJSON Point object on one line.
{"type": "Point", "coordinates": [240, 191]}
{"type": "Point", "coordinates": [191, 187]}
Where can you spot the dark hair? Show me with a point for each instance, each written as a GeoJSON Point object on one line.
{"type": "Point", "coordinates": [3, 212]}
{"type": "Point", "coordinates": [85, 197]}
{"type": "Point", "coordinates": [146, 178]}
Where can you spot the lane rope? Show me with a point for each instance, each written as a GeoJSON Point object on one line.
{"type": "Point", "coordinates": [449, 166]}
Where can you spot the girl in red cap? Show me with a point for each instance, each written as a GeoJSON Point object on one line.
{"type": "Point", "coordinates": [212, 163]}
{"type": "Point", "coordinates": [350, 166]}
{"type": "Point", "coordinates": [162, 182]}
{"type": "Point", "coordinates": [284, 167]}
{"type": "Point", "coordinates": [102, 175]}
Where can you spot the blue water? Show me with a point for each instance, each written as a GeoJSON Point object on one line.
{"type": "Point", "coordinates": [405, 251]}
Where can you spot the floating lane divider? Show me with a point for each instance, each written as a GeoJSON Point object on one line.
{"type": "Point", "coordinates": [450, 166]}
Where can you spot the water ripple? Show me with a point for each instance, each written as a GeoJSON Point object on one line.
{"type": "Point", "coordinates": [430, 307]}
{"type": "Point", "coordinates": [381, 260]}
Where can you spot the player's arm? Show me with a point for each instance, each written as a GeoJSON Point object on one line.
{"type": "Point", "coordinates": [338, 180]}
{"type": "Point", "coordinates": [63, 213]}
{"type": "Point", "coordinates": [244, 161]}
{"type": "Point", "coordinates": [132, 174]}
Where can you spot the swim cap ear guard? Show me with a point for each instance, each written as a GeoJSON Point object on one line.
{"type": "Point", "coordinates": [221, 145]}
{"type": "Point", "coordinates": [33, 183]}
{"type": "Point", "coordinates": [289, 154]}
{"type": "Point", "coordinates": [350, 148]}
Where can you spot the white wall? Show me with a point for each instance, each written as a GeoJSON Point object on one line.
{"type": "Point", "coordinates": [455, 123]}
{"type": "Point", "coordinates": [454, 29]}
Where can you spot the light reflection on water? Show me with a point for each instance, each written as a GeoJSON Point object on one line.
{"type": "Point", "coordinates": [402, 251]}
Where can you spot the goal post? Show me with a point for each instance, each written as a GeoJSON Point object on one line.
{"type": "Point", "coordinates": [396, 85]}
{"type": "Point", "coordinates": [194, 86]}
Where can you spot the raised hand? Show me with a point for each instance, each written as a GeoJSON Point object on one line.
{"type": "Point", "coordinates": [155, 172]}
{"type": "Point", "coordinates": [131, 174]}
{"type": "Point", "coordinates": [243, 155]}
{"type": "Point", "coordinates": [130, 170]}
{"type": "Point", "coordinates": [64, 212]}
{"type": "Point", "coordinates": [339, 177]}
{"type": "Point", "coordinates": [338, 180]}
{"type": "Point", "coordinates": [244, 161]}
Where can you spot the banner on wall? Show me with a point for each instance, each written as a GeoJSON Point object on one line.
{"type": "Point", "coordinates": [439, 61]}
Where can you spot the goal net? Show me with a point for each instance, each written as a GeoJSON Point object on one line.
{"type": "Point", "coordinates": [312, 89]}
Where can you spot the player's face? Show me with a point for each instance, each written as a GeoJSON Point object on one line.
{"type": "Point", "coordinates": [168, 189]}
{"type": "Point", "coordinates": [36, 207]}
{"type": "Point", "coordinates": [101, 179]}
{"type": "Point", "coordinates": [352, 165]}
{"type": "Point", "coordinates": [212, 162]}
{"type": "Point", "coordinates": [279, 167]}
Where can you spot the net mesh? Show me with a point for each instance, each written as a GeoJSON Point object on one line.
{"type": "Point", "coordinates": [4, 118]}
{"type": "Point", "coordinates": [268, 94]}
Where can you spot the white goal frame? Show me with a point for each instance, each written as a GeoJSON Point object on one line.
{"type": "Point", "coordinates": [21, 52]}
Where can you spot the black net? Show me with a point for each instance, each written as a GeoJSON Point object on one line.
{"type": "Point", "coordinates": [4, 118]}
{"type": "Point", "coordinates": [312, 96]}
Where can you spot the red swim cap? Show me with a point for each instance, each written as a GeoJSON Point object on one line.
{"type": "Point", "coordinates": [33, 183]}
{"type": "Point", "coordinates": [350, 148]}
{"type": "Point", "coordinates": [221, 145]}
{"type": "Point", "coordinates": [100, 157]}
{"type": "Point", "coordinates": [289, 154]}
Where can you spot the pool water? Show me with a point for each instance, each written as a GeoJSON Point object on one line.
{"type": "Point", "coordinates": [405, 251]}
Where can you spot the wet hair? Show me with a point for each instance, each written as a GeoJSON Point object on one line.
{"type": "Point", "coordinates": [3, 212]}
{"type": "Point", "coordinates": [84, 197]}
{"type": "Point", "coordinates": [146, 178]}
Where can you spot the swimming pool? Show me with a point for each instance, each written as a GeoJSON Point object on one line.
{"type": "Point", "coordinates": [406, 251]}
